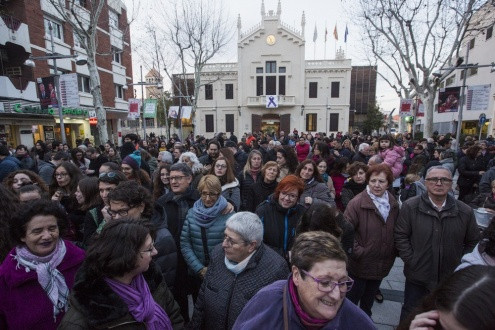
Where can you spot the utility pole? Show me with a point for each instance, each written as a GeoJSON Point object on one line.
{"type": "Point", "coordinates": [57, 89]}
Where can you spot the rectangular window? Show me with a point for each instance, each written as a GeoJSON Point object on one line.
{"type": "Point", "coordinates": [133, 123]}
{"type": "Point", "coordinates": [271, 85]}
{"type": "Point", "coordinates": [209, 92]}
{"type": "Point", "coordinates": [259, 70]}
{"type": "Point", "coordinates": [313, 90]}
{"type": "Point", "coordinates": [334, 122]}
{"type": "Point", "coordinates": [335, 92]}
{"type": "Point", "coordinates": [119, 91]}
{"type": "Point", "coordinates": [281, 85]}
{"type": "Point", "coordinates": [450, 80]}
{"type": "Point", "coordinates": [471, 44]}
{"type": "Point", "coordinates": [271, 67]}
{"type": "Point", "coordinates": [259, 86]}
{"type": "Point", "coordinates": [229, 91]}
{"type": "Point", "coordinates": [489, 32]}
{"type": "Point", "coordinates": [82, 3]}
{"type": "Point", "coordinates": [209, 124]}
{"type": "Point", "coordinates": [113, 19]}
{"type": "Point", "coordinates": [117, 55]}
{"type": "Point", "coordinates": [229, 123]}
{"type": "Point", "coordinates": [311, 119]}
{"type": "Point", "coordinates": [281, 69]}
{"type": "Point", "coordinates": [58, 31]}
{"type": "Point", "coordinates": [473, 71]}
{"type": "Point", "coordinates": [83, 83]}
{"type": "Point", "coordinates": [150, 122]}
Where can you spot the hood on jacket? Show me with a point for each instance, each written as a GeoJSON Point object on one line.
{"type": "Point", "coordinates": [232, 184]}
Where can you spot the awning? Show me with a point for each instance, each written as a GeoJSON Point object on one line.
{"type": "Point", "coordinates": [12, 118]}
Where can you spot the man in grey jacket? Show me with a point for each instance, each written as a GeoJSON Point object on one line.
{"type": "Point", "coordinates": [432, 234]}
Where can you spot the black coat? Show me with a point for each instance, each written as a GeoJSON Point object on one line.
{"type": "Point", "coordinates": [223, 294]}
{"type": "Point", "coordinates": [259, 193]}
{"type": "Point", "coordinates": [469, 171]}
{"type": "Point", "coordinates": [94, 305]}
{"type": "Point", "coordinates": [245, 183]}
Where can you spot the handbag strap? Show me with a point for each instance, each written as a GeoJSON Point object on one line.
{"type": "Point", "coordinates": [205, 246]}
{"type": "Point", "coordinates": [286, 313]}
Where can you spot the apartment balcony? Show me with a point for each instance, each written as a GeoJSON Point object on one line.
{"type": "Point", "coordinates": [22, 89]}
{"type": "Point", "coordinates": [260, 101]}
{"type": "Point", "coordinates": [14, 31]}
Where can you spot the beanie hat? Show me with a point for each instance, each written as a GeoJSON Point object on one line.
{"type": "Point", "coordinates": [133, 160]}
{"type": "Point", "coordinates": [230, 144]}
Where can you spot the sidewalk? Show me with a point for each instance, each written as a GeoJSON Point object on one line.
{"type": "Point", "coordinates": [386, 315]}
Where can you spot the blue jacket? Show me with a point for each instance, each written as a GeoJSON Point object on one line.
{"type": "Point", "coordinates": [8, 165]}
{"type": "Point", "coordinates": [191, 243]}
{"type": "Point", "coordinates": [265, 311]}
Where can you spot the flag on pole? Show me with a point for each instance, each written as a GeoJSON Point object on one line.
{"type": "Point", "coordinates": [346, 33]}
{"type": "Point", "coordinates": [326, 33]}
{"type": "Point", "coordinates": [335, 34]}
{"type": "Point", "coordinates": [315, 35]}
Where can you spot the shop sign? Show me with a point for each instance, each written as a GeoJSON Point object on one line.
{"type": "Point", "coordinates": [36, 109]}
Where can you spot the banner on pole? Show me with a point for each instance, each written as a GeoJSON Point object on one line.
{"type": "Point", "coordinates": [406, 107]}
{"type": "Point", "coordinates": [69, 90]}
{"type": "Point", "coordinates": [420, 111]}
{"type": "Point", "coordinates": [448, 99]}
{"type": "Point", "coordinates": [186, 112]}
{"type": "Point", "coordinates": [133, 109]}
{"type": "Point", "coordinates": [173, 112]}
{"type": "Point", "coordinates": [149, 110]}
{"type": "Point", "coordinates": [478, 97]}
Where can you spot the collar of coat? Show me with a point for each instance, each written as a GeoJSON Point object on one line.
{"type": "Point", "coordinates": [367, 202]}
{"type": "Point", "coordinates": [98, 303]}
{"type": "Point", "coordinates": [425, 205]}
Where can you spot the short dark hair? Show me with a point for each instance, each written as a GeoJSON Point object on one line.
{"type": "Point", "coordinates": [115, 250]}
{"type": "Point", "coordinates": [182, 167]}
{"type": "Point", "coordinates": [112, 177]}
{"type": "Point", "coordinates": [215, 142]}
{"type": "Point", "coordinates": [4, 151]}
{"type": "Point", "coordinates": [111, 165]}
{"type": "Point", "coordinates": [21, 146]}
{"type": "Point", "coordinates": [133, 194]}
{"type": "Point", "coordinates": [29, 211]}
{"type": "Point", "coordinates": [320, 216]}
{"type": "Point", "coordinates": [61, 155]}
{"type": "Point", "coordinates": [355, 167]}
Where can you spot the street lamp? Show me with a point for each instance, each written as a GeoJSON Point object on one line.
{"type": "Point", "coordinates": [80, 60]}
{"type": "Point", "coordinates": [142, 84]}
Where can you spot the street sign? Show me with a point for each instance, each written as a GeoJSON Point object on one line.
{"type": "Point", "coordinates": [482, 119]}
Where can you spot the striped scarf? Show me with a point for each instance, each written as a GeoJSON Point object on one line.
{"type": "Point", "coordinates": [49, 277]}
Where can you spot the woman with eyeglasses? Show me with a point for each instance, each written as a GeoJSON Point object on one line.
{"type": "Point", "coordinates": [78, 159]}
{"type": "Point", "coordinates": [281, 215]}
{"type": "Point", "coordinates": [17, 179]}
{"type": "Point", "coordinates": [314, 296]}
{"type": "Point", "coordinates": [119, 286]}
{"type": "Point", "coordinates": [224, 171]}
{"type": "Point", "coordinates": [204, 227]}
{"type": "Point", "coordinates": [161, 181]}
{"type": "Point", "coordinates": [373, 213]}
{"type": "Point", "coordinates": [132, 201]}
{"type": "Point", "coordinates": [63, 190]}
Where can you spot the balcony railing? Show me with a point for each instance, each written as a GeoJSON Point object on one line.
{"type": "Point", "coordinates": [283, 101]}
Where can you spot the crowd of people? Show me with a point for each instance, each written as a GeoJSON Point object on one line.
{"type": "Point", "coordinates": [272, 231]}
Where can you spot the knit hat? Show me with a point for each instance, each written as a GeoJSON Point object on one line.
{"type": "Point", "coordinates": [133, 160]}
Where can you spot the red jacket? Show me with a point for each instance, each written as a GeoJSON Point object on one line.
{"type": "Point", "coordinates": [302, 151]}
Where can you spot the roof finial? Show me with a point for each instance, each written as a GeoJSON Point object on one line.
{"type": "Point", "coordinates": [262, 8]}
{"type": "Point", "coordinates": [279, 8]}
{"type": "Point", "coordinates": [303, 23]}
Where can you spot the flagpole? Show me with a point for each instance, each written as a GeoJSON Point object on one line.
{"type": "Point", "coordinates": [325, 51]}
{"type": "Point", "coordinates": [314, 50]}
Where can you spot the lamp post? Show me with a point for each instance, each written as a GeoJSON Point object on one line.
{"type": "Point", "coordinates": [142, 84]}
{"type": "Point", "coordinates": [55, 56]}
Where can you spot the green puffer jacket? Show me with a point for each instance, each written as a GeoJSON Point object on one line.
{"type": "Point", "coordinates": [191, 242]}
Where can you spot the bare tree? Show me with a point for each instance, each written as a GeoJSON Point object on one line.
{"type": "Point", "coordinates": [84, 23]}
{"type": "Point", "coordinates": [414, 38]}
{"type": "Point", "coordinates": [196, 31]}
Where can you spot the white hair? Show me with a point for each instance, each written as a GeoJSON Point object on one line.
{"type": "Point", "coordinates": [197, 166]}
{"type": "Point", "coordinates": [166, 157]}
{"type": "Point", "coordinates": [362, 146]}
{"type": "Point", "coordinates": [248, 225]}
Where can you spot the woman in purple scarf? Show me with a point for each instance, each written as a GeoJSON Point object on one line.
{"type": "Point", "coordinates": [36, 276]}
{"type": "Point", "coordinates": [118, 285]}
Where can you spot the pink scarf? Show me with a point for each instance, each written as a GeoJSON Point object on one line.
{"type": "Point", "coordinates": [308, 321]}
{"type": "Point", "coordinates": [254, 172]}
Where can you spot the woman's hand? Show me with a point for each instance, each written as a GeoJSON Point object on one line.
{"type": "Point", "coordinates": [425, 321]}
{"type": "Point", "coordinates": [106, 216]}
{"type": "Point", "coordinates": [229, 208]}
{"type": "Point", "coordinates": [308, 200]}
{"type": "Point", "coordinates": [57, 196]}
{"type": "Point", "coordinates": [202, 272]}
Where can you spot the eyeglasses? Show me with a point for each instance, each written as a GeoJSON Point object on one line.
{"type": "Point", "coordinates": [121, 213]}
{"type": "Point", "coordinates": [442, 180]}
{"type": "Point", "coordinates": [206, 194]}
{"type": "Point", "coordinates": [150, 250]}
{"type": "Point", "coordinates": [165, 175]}
{"type": "Point", "coordinates": [61, 175]}
{"type": "Point", "coordinates": [111, 175]}
{"type": "Point", "coordinates": [230, 241]}
{"type": "Point", "coordinates": [290, 196]}
{"type": "Point", "coordinates": [328, 286]}
{"type": "Point", "coordinates": [177, 178]}
{"type": "Point", "coordinates": [220, 166]}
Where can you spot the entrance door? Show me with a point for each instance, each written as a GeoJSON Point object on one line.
{"type": "Point", "coordinates": [270, 123]}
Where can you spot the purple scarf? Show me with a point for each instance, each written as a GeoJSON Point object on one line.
{"type": "Point", "coordinates": [140, 302]}
{"type": "Point", "coordinates": [308, 321]}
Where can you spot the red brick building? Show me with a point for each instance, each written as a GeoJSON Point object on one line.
{"type": "Point", "coordinates": [24, 32]}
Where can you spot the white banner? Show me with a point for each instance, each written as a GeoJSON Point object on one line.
{"type": "Point", "coordinates": [478, 97]}
{"type": "Point", "coordinates": [134, 105]}
{"type": "Point", "coordinates": [69, 90]}
{"type": "Point", "coordinates": [186, 112]}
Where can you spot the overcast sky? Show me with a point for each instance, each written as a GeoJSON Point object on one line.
{"type": "Point", "coordinates": [324, 14]}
